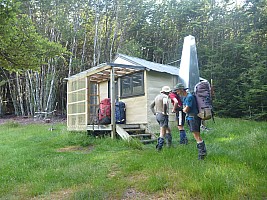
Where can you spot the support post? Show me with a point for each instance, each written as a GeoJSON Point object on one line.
{"type": "Point", "coordinates": [87, 102]}
{"type": "Point", "coordinates": [112, 99]}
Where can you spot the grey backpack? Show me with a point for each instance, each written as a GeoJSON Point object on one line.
{"type": "Point", "coordinates": [202, 92]}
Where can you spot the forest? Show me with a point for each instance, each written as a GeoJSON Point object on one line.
{"type": "Point", "coordinates": [44, 41]}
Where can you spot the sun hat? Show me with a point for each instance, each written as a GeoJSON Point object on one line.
{"type": "Point", "coordinates": [165, 89]}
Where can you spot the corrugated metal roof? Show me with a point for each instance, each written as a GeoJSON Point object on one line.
{"type": "Point", "coordinates": [136, 62]}
{"type": "Point", "coordinates": [150, 65]}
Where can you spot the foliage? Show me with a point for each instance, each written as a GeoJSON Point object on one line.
{"type": "Point", "coordinates": [21, 47]}
{"type": "Point", "coordinates": [72, 165]}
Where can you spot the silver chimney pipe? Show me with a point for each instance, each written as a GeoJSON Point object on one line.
{"type": "Point", "coordinates": [189, 72]}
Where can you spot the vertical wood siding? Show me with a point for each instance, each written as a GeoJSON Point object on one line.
{"type": "Point", "coordinates": [154, 82]}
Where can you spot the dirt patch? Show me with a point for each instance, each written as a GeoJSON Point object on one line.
{"type": "Point", "coordinates": [87, 149]}
{"type": "Point", "coordinates": [137, 177]}
{"type": "Point", "coordinates": [133, 194]}
{"type": "Point", "coordinates": [31, 120]}
{"type": "Point", "coordinates": [59, 195]}
{"type": "Point", "coordinates": [113, 171]}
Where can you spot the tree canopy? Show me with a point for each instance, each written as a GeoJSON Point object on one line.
{"type": "Point", "coordinates": [21, 47]}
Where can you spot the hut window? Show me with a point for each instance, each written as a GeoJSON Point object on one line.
{"type": "Point", "coordinates": [132, 85]}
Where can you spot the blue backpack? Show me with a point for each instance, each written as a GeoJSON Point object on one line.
{"type": "Point", "coordinates": [120, 112]}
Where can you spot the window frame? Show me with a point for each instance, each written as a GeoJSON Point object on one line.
{"type": "Point", "coordinates": [130, 77]}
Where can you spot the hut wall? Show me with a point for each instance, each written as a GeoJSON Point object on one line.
{"type": "Point", "coordinates": [135, 106]}
{"type": "Point", "coordinates": [136, 110]}
{"type": "Point", "coordinates": [154, 82]}
{"type": "Point", "coordinates": [103, 90]}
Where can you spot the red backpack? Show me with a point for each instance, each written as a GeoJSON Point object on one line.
{"type": "Point", "coordinates": [104, 113]}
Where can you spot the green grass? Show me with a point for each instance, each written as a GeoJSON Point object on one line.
{"type": "Point", "coordinates": [42, 164]}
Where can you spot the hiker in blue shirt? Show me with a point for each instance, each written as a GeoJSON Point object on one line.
{"type": "Point", "coordinates": [194, 122]}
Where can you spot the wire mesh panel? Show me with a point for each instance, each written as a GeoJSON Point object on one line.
{"type": "Point", "coordinates": [76, 107]}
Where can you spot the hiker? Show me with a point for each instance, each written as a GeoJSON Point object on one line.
{"type": "Point", "coordinates": [194, 122]}
{"type": "Point", "coordinates": [160, 108]}
{"type": "Point", "coordinates": [180, 115]}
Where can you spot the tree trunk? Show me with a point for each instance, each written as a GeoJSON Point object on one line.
{"type": "Point", "coordinates": [96, 33]}
{"type": "Point", "coordinates": [51, 91]}
{"type": "Point", "coordinates": [33, 102]}
{"type": "Point", "coordinates": [114, 35]}
{"type": "Point", "coordinates": [37, 93]}
{"type": "Point", "coordinates": [13, 94]}
{"type": "Point", "coordinates": [20, 95]}
{"type": "Point", "coordinates": [70, 62]}
{"type": "Point", "coordinates": [83, 51]}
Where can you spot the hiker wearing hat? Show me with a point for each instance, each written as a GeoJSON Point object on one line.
{"type": "Point", "coordinates": [180, 115]}
{"type": "Point", "coordinates": [194, 122]}
{"type": "Point", "coordinates": [160, 108]}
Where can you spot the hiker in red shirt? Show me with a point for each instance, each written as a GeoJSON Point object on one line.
{"type": "Point", "coordinates": [180, 115]}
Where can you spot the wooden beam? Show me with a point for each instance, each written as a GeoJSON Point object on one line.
{"type": "Point", "coordinates": [137, 67]}
{"type": "Point", "coordinates": [103, 74]}
{"type": "Point", "coordinates": [98, 70]}
{"type": "Point", "coordinates": [112, 95]}
{"type": "Point", "coordinates": [87, 98]}
{"type": "Point", "coordinates": [124, 135]}
{"type": "Point", "coordinates": [99, 127]}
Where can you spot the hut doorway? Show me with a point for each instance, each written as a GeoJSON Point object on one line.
{"type": "Point", "coordinates": [93, 103]}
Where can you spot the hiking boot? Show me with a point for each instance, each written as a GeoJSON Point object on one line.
{"type": "Point", "coordinates": [160, 143]}
{"type": "Point", "coordinates": [183, 138]}
{"type": "Point", "coordinates": [168, 139]}
{"type": "Point", "coordinates": [202, 152]}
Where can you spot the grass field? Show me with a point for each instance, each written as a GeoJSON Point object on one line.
{"type": "Point", "coordinates": [36, 163]}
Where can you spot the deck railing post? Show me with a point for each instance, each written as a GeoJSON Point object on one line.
{"type": "Point", "coordinates": [112, 96]}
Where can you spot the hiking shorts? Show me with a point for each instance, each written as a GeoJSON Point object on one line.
{"type": "Point", "coordinates": [194, 123]}
{"type": "Point", "coordinates": [163, 120]}
{"type": "Point", "coordinates": [180, 117]}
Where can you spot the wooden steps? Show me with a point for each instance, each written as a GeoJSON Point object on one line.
{"type": "Point", "coordinates": [148, 141]}
{"type": "Point", "coordinates": [142, 135]}
{"type": "Point", "coordinates": [136, 131]}
{"type": "Point", "coordinates": [126, 132]}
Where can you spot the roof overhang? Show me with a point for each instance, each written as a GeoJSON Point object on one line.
{"type": "Point", "coordinates": [102, 72]}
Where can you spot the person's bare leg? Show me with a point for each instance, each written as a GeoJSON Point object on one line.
{"type": "Point", "coordinates": [162, 132]}
{"type": "Point", "coordinates": [197, 137]}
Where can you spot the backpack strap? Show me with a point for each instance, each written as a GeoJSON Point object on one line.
{"type": "Point", "coordinates": [194, 95]}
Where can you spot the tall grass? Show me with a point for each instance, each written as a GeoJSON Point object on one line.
{"type": "Point", "coordinates": [42, 164]}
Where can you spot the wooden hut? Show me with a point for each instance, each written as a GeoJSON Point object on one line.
{"type": "Point", "coordinates": [132, 80]}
